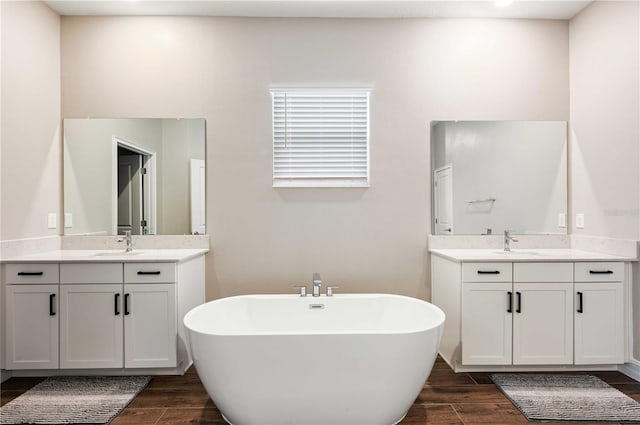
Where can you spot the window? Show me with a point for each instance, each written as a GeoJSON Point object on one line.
{"type": "Point", "coordinates": [320, 137]}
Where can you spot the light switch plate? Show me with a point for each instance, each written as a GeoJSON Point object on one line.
{"type": "Point", "coordinates": [580, 221]}
{"type": "Point", "coordinates": [68, 220]}
{"type": "Point", "coordinates": [51, 221]}
{"type": "Point", "coordinates": [562, 220]}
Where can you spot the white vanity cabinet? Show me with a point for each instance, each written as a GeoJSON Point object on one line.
{"type": "Point", "coordinates": [101, 316]}
{"type": "Point", "coordinates": [91, 332]}
{"type": "Point", "coordinates": [523, 315]}
{"type": "Point", "coordinates": [599, 313]}
{"type": "Point", "coordinates": [542, 313]}
{"type": "Point", "coordinates": [150, 316]}
{"type": "Point", "coordinates": [487, 306]}
{"type": "Point", "coordinates": [32, 300]}
{"type": "Point", "coordinates": [517, 313]}
{"type": "Point", "coordinates": [114, 317]}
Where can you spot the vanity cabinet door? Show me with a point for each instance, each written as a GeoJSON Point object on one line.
{"type": "Point", "coordinates": [32, 327]}
{"type": "Point", "coordinates": [599, 323]}
{"type": "Point", "coordinates": [91, 326]}
{"type": "Point", "coordinates": [150, 325]}
{"type": "Point", "coordinates": [543, 323]}
{"type": "Point", "coordinates": [486, 323]}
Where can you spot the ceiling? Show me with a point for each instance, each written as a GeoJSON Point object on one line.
{"type": "Point", "coordinates": [536, 9]}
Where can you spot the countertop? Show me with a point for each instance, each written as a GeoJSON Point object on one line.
{"type": "Point", "coordinates": [525, 255]}
{"type": "Point", "coordinates": [108, 256]}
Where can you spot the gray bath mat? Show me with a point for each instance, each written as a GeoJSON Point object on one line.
{"type": "Point", "coordinates": [73, 400]}
{"type": "Point", "coordinates": [549, 397]}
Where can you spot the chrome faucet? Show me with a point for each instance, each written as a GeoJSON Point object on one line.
{"type": "Point", "coordinates": [507, 240]}
{"type": "Point", "coordinates": [127, 238]}
{"type": "Point", "coordinates": [317, 283]}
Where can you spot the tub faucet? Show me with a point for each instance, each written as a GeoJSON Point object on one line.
{"type": "Point", "coordinates": [127, 238]}
{"type": "Point", "coordinates": [317, 283]}
{"type": "Point", "coordinates": [507, 240]}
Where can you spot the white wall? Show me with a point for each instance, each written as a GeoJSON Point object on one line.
{"type": "Point", "coordinates": [266, 239]}
{"type": "Point", "coordinates": [605, 129]}
{"type": "Point", "coordinates": [605, 125]}
{"type": "Point", "coordinates": [30, 167]}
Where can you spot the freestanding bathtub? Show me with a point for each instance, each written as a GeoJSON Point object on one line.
{"type": "Point", "coordinates": [286, 359]}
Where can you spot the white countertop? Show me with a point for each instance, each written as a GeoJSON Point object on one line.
{"type": "Point", "coordinates": [108, 256]}
{"type": "Point", "coordinates": [525, 255]}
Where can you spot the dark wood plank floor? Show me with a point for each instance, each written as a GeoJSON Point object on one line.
{"type": "Point", "coordinates": [447, 398]}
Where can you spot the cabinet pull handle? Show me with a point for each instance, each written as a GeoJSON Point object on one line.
{"type": "Point", "coordinates": [126, 304]}
{"type": "Point", "coordinates": [153, 272]}
{"type": "Point", "coordinates": [600, 271]}
{"type": "Point", "coordinates": [116, 310]}
{"type": "Point", "coordinates": [519, 302]}
{"type": "Point", "coordinates": [488, 271]}
{"type": "Point", "coordinates": [52, 304]}
{"type": "Point", "coordinates": [30, 273]}
{"type": "Point", "coordinates": [510, 300]}
{"type": "Point", "coordinates": [580, 302]}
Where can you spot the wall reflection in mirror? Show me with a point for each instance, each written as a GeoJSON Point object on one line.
{"type": "Point", "coordinates": [145, 175]}
{"type": "Point", "coordinates": [491, 176]}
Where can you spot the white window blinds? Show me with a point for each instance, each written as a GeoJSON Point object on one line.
{"type": "Point", "coordinates": [320, 137]}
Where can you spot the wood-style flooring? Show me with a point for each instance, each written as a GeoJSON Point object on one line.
{"type": "Point", "coordinates": [447, 398]}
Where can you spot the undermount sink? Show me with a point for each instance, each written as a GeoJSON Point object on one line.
{"type": "Point", "coordinates": [517, 252]}
{"type": "Point", "coordinates": [117, 253]}
{"type": "Point", "coordinates": [534, 252]}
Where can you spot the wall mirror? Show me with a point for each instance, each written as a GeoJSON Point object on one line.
{"type": "Point", "coordinates": [145, 175]}
{"type": "Point", "coordinates": [491, 176]}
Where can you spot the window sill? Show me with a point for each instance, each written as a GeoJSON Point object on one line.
{"type": "Point", "coordinates": [321, 184]}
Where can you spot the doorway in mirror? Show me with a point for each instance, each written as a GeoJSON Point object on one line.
{"type": "Point", "coordinates": [136, 175]}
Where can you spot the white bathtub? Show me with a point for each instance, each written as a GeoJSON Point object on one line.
{"type": "Point", "coordinates": [285, 359]}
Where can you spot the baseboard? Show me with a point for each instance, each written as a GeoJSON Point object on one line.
{"type": "Point", "coordinates": [631, 369]}
{"type": "Point", "coordinates": [4, 375]}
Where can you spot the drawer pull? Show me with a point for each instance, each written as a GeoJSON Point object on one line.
{"type": "Point", "coordinates": [600, 271]}
{"type": "Point", "coordinates": [116, 309]}
{"type": "Point", "coordinates": [488, 271]}
{"type": "Point", "coordinates": [30, 273]}
{"type": "Point", "coordinates": [52, 304]}
{"type": "Point", "coordinates": [579, 302]}
{"type": "Point", "coordinates": [519, 302]}
{"type": "Point", "coordinates": [157, 272]}
{"type": "Point", "coordinates": [510, 300]}
{"type": "Point", "coordinates": [126, 304]}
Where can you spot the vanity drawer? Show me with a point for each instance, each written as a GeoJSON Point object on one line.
{"type": "Point", "coordinates": [91, 273]}
{"type": "Point", "coordinates": [599, 272]}
{"type": "Point", "coordinates": [31, 273]}
{"type": "Point", "coordinates": [543, 272]}
{"type": "Point", "coordinates": [149, 272]}
{"type": "Point", "coordinates": [486, 272]}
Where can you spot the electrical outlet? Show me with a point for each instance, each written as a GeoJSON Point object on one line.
{"type": "Point", "coordinates": [580, 221]}
{"type": "Point", "coordinates": [52, 221]}
{"type": "Point", "coordinates": [562, 220]}
{"type": "Point", "coordinates": [68, 220]}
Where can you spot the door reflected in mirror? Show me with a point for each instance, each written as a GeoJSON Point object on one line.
{"type": "Point", "coordinates": [143, 175]}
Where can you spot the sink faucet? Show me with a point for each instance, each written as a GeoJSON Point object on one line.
{"type": "Point", "coordinates": [127, 238]}
{"type": "Point", "coordinates": [317, 283]}
{"type": "Point", "coordinates": [507, 240]}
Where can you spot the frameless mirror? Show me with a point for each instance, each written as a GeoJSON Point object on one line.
{"type": "Point", "coordinates": [145, 175]}
{"type": "Point", "coordinates": [491, 176]}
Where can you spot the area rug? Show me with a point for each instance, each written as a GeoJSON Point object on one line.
{"type": "Point", "coordinates": [551, 397]}
{"type": "Point", "coordinates": [73, 400]}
